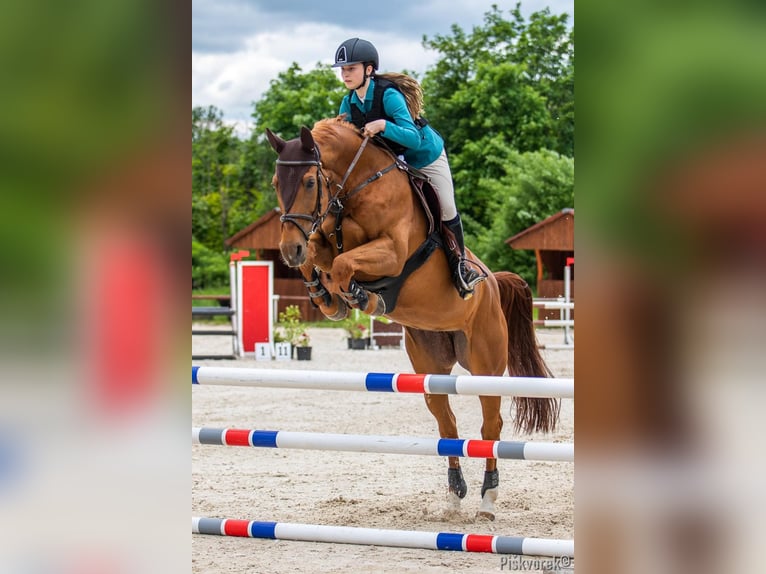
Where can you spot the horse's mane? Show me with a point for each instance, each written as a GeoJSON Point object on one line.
{"type": "Point", "coordinates": [343, 135]}
{"type": "Point", "coordinates": [327, 128]}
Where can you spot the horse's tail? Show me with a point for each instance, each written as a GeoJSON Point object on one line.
{"type": "Point", "coordinates": [524, 358]}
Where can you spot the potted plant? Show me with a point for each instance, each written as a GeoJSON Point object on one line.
{"type": "Point", "coordinates": [303, 348]}
{"type": "Point", "coordinates": [294, 330]}
{"type": "Point", "coordinates": [357, 333]}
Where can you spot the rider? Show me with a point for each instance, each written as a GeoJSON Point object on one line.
{"type": "Point", "coordinates": [422, 147]}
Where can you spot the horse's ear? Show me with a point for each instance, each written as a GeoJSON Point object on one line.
{"type": "Point", "coordinates": [307, 140]}
{"type": "Point", "coordinates": [276, 142]}
{"type": "Point", "coordinates": [341, 116]}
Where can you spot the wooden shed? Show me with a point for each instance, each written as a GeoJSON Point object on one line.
{"type": "Point", "coordinates": [552, 240]}
{"type": "Point", "coordinates": [262, 239]}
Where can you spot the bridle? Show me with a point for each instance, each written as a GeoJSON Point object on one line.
{"type": "Point", "coordinates": [313, 217]}
{"type": "Point", "coordinates": [335, 203]}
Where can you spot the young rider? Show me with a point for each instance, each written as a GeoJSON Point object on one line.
{"type": "Point", "coordinates": [377, 107]}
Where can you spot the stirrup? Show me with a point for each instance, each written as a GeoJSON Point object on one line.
{"type": "Point", "coordinates": [467, 279]}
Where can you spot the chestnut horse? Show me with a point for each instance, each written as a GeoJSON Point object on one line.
{"type": "Point", "coordinates": [349, 216]}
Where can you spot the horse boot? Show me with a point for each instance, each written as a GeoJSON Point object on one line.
{"type": "Point", "coordinates": [464, 276]}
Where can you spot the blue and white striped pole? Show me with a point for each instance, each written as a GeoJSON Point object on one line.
{"type": "Point", "coordinates": [534, 387]}
{"type": "Point", "coordinates": [471, 448]}
{"type": "Point", "coordinates": [385, 537]}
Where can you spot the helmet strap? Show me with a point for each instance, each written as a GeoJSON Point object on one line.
{"type": "Point", "coordinates": [365, 77]}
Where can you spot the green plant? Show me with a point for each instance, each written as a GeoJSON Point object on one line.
{"type": "Point", "coordinates": [209, 268]}
{"type": "Point", "coordinates": [292, 326]}
{"type": "Point", "coordinates": [304, 340]}
{"type": "Point", "coordinates": [279, 335]}
{"type": "Point", "coordinates": [355, 328]}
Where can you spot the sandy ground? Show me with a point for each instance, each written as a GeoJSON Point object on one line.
{"type": "Point", "coordinates": [359, 489]}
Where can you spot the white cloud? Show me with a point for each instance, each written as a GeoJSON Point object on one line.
{"type": "Point", "coordinates": [233, 81]}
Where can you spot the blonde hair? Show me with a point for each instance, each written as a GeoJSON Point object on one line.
{"type": "Point", "coordinates": [410, 88]}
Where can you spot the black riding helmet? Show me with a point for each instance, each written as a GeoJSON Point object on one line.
{"type": "Point", "coordinates": [354, 51]}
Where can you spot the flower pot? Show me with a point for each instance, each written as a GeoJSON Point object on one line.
{"type": "Point", "coordinates": [358, 343]}
{"type": "Point", "coordinates": [303, 353]}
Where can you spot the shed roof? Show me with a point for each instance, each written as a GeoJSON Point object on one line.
{"type": "Point", "coordinates": [263, 233]}
{"type": "Point", "coordinates": [554, 233]}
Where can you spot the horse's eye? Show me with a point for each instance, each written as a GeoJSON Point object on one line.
{"type": "Point", "coordinates": [310, 182]}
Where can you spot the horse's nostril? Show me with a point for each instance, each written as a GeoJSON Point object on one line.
{"type": "Point", "coordinates": [299, 251]}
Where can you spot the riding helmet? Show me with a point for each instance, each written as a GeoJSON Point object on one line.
{"type": "Point", "coordinates": [354, 51]}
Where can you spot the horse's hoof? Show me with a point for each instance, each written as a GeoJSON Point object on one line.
{"type": "Point", "coordinates": [456, 482]}
{"type": "Point", "coordinates": [484, 515]}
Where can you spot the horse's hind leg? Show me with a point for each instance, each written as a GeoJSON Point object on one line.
{"type": "Point", "coordinates": [483, 353]}
{"type": "Point", "coordinates": [490, 430]}
{"type": "Point", "coordinates": [433, 352]}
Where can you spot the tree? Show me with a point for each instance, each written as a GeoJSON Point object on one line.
{"type": "Point", "coordinates": [472, 81]}
{"type": "Point", "coordinates": [507, 84]}
{"type": "Point", "coordinates": [534, 186]}
{"type": "Point", "coordinates": [213, 150]}
{"type": "Point", "coordinates": [295, 99]}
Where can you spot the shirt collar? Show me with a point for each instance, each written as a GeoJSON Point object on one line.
{"type": "Point", "coordinates": [367, 97]}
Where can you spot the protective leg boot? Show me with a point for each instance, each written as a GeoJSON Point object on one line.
{"type": "Point", "coordinates": [464, 276]}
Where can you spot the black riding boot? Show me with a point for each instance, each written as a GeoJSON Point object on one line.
{"type": "Point", "coordinates": [465, 277]}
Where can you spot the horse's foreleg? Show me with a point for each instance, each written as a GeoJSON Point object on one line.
{"type": "Point", "coordinates": [314, 271]}
{"type": "Point", "coordinates": [490, 430]}
{"type": "Point", "coordinates": [381, 257]}
{"type": "Point", "coordinates": [331, 306]}
{"type": "Point", "coordinates": [445, 418]}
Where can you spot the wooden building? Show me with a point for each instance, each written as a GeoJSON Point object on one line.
{"type": "Point", "coordinates": [552, 240]}
{"type": "Point", "coordinates": [262, 239]}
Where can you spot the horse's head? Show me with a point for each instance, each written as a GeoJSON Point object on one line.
{"type": "Point", "coordinates": [299, 185]}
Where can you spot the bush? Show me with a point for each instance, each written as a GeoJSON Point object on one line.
{"type": "Point", "coordinates": [209, 269]}
{"type": "Point", "coordinates": [292, 327]}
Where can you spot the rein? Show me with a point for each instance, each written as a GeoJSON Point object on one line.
{"type": "Point", "coordinates": [335, 205]}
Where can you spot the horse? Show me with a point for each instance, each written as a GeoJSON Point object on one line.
{"type": "Point", "coordinates": [350, 219]}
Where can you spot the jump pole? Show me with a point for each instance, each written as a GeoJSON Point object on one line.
{"type": "Point", "coordinates": [470, 448]}
{"type": "Point", "coordinates": [534, 387]}
{"type": "Point", "coordinates": [552, 305]}
{"type": "Point", "coordinates": [384, 537]}
{"type": "Point", "coordinates": [554, 322]}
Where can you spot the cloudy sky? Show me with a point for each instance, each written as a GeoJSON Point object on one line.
{"type": "Point", "coordinates": [239, 46]}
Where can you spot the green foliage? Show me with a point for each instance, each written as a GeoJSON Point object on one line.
{"type": "Point", "coordinates": [209, 269]}
{"type": "Point", "coordinates": [224, 196]}
{"type": "Point", "coordinates": [356, 327]}
{"type": "Point", "coordinates": [296, 98]}
{"type": "Point", "coordinates": [513, 77]}
{"type": "Point", "coordinates": [291, 327]}
{"type": "Point", "coordinates": [505, 86]}
{"type": "Point", "coordinates": [535, 185]}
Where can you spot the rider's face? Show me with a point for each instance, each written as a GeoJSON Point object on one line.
{"type": "Point", "coordinates": [352, 75]}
